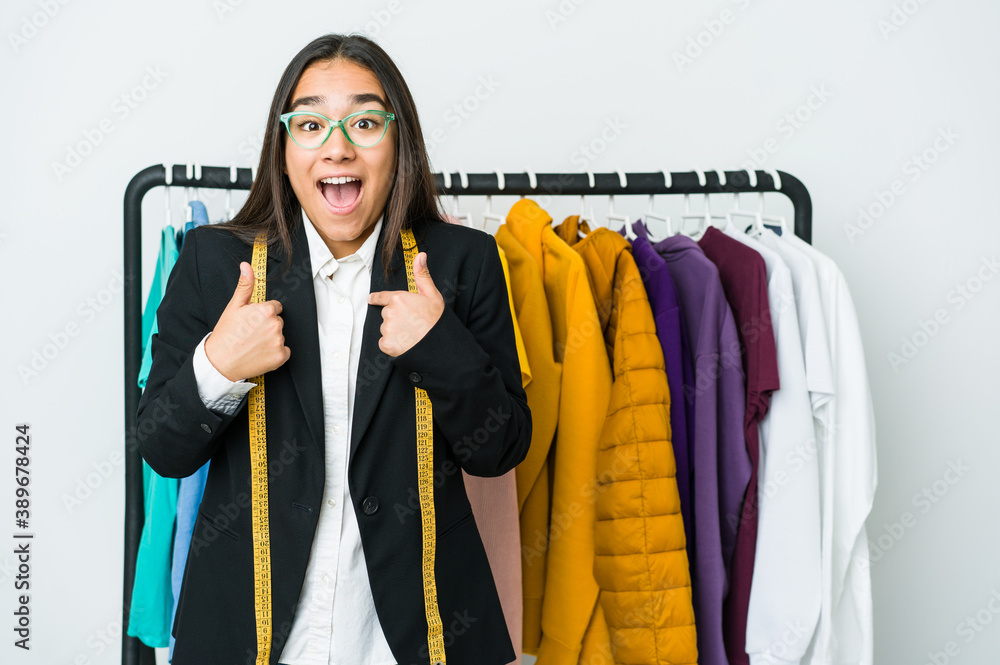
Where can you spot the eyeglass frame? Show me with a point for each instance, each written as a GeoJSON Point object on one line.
{"type": "Point", "coordinates": [284, 118]}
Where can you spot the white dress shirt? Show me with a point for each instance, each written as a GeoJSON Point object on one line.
{"type": "Point", "coordinates": [845, 633]}
{"type": "Point", "coordinates": [335, 622]}
{"type": "Point", "coordinates": [786, 589]}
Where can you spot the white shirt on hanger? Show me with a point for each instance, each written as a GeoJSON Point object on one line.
{"type": "Point", "coordinates": [335, 623]}
{"type": "Point", "coordinates": [812, 325]}
{"type": "Point", "coordinates": [785, 592]}
{"type": "Point", "coordinates": [845, 632]}
{"type": "Point", "coordinates": [819, 377]}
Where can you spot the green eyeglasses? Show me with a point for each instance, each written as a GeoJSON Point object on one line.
{"type": "Point", "coordinates": [311, 130]}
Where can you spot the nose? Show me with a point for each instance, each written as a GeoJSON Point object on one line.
{"type": "Point", "coordinates": [337, 147]}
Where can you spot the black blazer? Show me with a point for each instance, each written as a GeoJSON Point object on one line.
{"type": "Point", "coordinates": [467, 363]}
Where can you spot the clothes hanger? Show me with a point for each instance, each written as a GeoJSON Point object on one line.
{"type": "Point", "coordinates": [612, 216]}
{"type": "Point", "coordinates": [590, 220]}
{"type": "Point", "coordinates": [465, 218]}
{"type": "Point", "coordinates": [488, 214]}
{"type": "Point", "coordinates": [197, 176]}
{"type": "Point", "coordinates": [667, 182]}
{"type": "Point", "coordinates": [447, 185]}
{"type": "Point", "coordinates": [229, 192]}
{"type": "Point", "coordinates": [532, 181]}
{"type": "Point", "coordinates": [191, 171]}
{"type": "Point", "coordinates": [725, 217]}
{"type": "Point", "coordinates": [169, 179]}
{"type": "Point", "coordinates": [705, 217]}
{"type": "Point", "coordinates": [778, 220]}
{"type": "Point", "coordinates": [757, 216]}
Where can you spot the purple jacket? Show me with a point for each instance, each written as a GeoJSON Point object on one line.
{"type": "Point", "coordinates": [670, 330]}
{"type": "Point", "coordinates": [721, 464]}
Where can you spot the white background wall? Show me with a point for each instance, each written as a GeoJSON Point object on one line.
{"type": "Point", "coordinates": [560, 73]}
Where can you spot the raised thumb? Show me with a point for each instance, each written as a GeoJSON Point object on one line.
{"type": "Point", "coordinates": [422, 275]}
{"type": "Point", "coordinates": [244, 288]}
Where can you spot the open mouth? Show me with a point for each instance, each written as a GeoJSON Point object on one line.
{"type": "Point", "coordinates": [341, 193]}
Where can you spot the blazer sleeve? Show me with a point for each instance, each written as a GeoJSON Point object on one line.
{"type": "Point", "coordinates": [176, 432]}
{"type": "Point", "coordinates": [473, 377]}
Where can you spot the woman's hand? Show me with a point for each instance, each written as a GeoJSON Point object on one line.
{"type": "Point", "coordinates": [406, 317]}
{"type": "Point", "coordinates": [247, 340]}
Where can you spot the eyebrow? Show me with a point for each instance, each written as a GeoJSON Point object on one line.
{"type": "Point", "coordinates": [355, 99]}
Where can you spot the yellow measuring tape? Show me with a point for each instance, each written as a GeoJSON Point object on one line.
{"type": "Point", "coordinates": [258, 477]}
{"type": "Point", "coordinates": [425, 475]}
{"type": "Point", "coordinates": [258, 480]}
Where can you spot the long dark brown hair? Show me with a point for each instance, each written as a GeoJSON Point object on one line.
{"type": "Point", "coordinates": [272, 206]}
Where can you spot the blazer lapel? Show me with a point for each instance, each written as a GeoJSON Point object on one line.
{"type": "Point", "coordinates": [300, 329]}
{"type": "Point", "coordinates": [375, 366]}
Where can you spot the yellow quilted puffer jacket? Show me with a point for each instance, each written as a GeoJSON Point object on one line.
{"type": "Point", "coordinates": [641, 563]}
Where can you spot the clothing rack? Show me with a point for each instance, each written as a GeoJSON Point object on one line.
{"type": "Point", "coordinates": [134, 652]}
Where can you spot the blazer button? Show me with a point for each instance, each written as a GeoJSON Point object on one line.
{"type": "Point", "coordinates": [370, 505]}
{"type": "Point", "coordinates": [205, 427]}
{"type": "Point", "coordinates": [415, 377]}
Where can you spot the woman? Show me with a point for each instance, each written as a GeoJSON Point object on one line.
{"type": "Point", "coordinates": [342, 344]}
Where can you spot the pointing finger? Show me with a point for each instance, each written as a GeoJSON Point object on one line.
{"type": "Point", "coordinates": [381, 297]}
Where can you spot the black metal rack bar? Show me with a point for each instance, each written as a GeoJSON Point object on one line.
{"type": "Point", "coordinates": [134, 652]}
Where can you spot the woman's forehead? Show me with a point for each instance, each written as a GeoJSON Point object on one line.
{"type": "Point", "coordinates": [339, 84]}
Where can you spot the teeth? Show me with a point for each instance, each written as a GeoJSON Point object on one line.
{"type": "Point", "coordinates": [339, 181]}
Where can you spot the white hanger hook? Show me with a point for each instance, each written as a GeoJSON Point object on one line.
{"type": "Point", "coordinates": [752, 174]}
{"type": "Point", "coordinates": [166, 193]}
{"type": "Point", "coordinates": [464, 178]}
{"type": "Point", "coordinates": [532, 181]}
{"type": "Point", "coordinates": [447, 179]}
{"type": "Point", "coordinates": [722, 177]}
{"type": "Point", "coordinates": [651, 214]}
{"type": "Point", "coordinates": [197, 175]}
{"type": "Point", "coordinates": [501, 182]}
{"type": "Point", "coordinates": [777, 178]}
{"type": "Point", "coordinates": [701, 177]}
{"type": "Point", "coordinates": [668, 180]}
{"type": "Point", "coordinates": [623, 182]}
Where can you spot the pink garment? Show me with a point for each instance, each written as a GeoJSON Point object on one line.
{"type": "Point", "coordinates": [494, 507]}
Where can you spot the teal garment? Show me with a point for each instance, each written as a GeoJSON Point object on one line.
{"type": "Point", "coordinates": [164, 263]}
{"type": "Point", "coordinates": [152, 598]}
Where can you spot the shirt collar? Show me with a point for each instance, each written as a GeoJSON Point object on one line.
{"type": "Point", "coordinates": [320, 255]}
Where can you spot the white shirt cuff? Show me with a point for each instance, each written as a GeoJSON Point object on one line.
{"type": "Point", "coordinates": [216, 391]}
